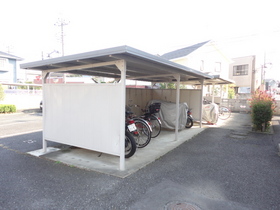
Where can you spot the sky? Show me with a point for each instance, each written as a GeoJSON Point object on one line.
{"type": "Point", "coordinates": [30, 29]}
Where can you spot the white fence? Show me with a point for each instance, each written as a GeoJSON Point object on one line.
{"type": "Point", "coordinates": [243, 105]}
{"type": "Point", "coordinates": [25, 99]}
{"type": "Point", "coordinates": [23, 92]}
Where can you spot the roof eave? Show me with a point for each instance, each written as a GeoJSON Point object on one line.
{"type": "Point", "coordinates": [124, 50]}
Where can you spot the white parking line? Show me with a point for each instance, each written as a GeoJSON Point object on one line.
{"type": "Point", "coordinates": [12, 124]}
{"type": "Point", "coordinates": [22, 133]}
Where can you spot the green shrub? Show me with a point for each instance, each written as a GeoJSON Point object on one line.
{"type": "Point", "coordinates": [261, 115]}
{"type": "Point", "coordinates": [5, 108]}
{"type": "Point", "coordinates": [262, 107]}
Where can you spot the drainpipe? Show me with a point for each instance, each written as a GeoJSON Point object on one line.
{"type": "Point", "coordinates": [201, 103]}
{"type": "Point", "coordinates": [253, 79]}
{"type": "Point", "coordinates": [221, 93]}
{"type": "Point", "coordinates": [213, 98]}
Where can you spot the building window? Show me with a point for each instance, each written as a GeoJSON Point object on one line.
{"type": "Point", "coordinates": [240, 70]}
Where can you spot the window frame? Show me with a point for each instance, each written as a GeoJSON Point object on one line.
{"type": "Point", "coordinates": [241, 70]}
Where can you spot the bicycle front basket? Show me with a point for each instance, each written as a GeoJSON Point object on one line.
{"type": "Point", "coordinates": [154, 108]}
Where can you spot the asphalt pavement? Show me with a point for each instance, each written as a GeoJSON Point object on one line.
{"type": "Point", "coordinates": [225, 166]}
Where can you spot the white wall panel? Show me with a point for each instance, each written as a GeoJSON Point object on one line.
{"type": "Point", "coordinates": [140, 97]}
{"type": "Point", "coordinates": [190, 96]}
{"type": "Point", "coordinates": [83, 115]}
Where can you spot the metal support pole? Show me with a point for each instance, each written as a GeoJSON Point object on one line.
{"type": "Point", "coordinates": [177, 105]}
{"type": "Point", "coordinates": [122, 67]}
{"type": "Point", "coordinates": [221, 94]}
{"type": "Point", "coordinates": [44, 80]}
{"type": "Point", "coordinates": [213, 98]}
{"type": "Point", "coordinates": [226, 93]}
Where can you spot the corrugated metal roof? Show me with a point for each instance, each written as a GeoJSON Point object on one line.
{"type": "Point", "coordinates": [218, 80]}
{"type": "Point", "coordinates": [140, 65]}
{"type": "Point", "coordinates": [182, 52]}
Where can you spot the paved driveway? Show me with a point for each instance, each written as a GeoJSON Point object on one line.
{"type": "Point", "coordinates": [224, 167]}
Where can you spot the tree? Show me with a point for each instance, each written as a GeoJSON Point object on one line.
{"type": "Point", "coordinates": [167, 86]}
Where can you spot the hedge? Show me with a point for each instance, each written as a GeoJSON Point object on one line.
{"type": "Point", "coordinates": [262, 107]}
{"type": "Point", "coordinates": [6, 108]}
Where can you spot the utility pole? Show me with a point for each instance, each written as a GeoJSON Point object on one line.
{"type": "Point", "coordinates": [263, 71]}
{"type": "Point", "coordinates": [263, 66]}
{"type": "Point", "coordinates": [61, 23]}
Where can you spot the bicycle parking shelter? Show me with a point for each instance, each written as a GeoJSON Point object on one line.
{"type": "Point", "coordinates": [85, 115]}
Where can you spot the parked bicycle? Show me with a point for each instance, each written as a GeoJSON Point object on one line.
{"type": "Point", "coordinates": [154, 121]}
{"type": "Point", "coordinates": [143, 131]}
{"type": "Point", "coordinates": [130, 144]}
{"type": "Point", "coordinates": [224, 112]}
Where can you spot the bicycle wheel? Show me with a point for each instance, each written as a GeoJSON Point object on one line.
{"type": "Point", "coordinates": [143, 136]}
{"type": "Point", "coordinates": [155, 125]}
{"type": "Point", "coordinates": [129, 145]}
{"type": "Point", "coordinates": [224, 113]}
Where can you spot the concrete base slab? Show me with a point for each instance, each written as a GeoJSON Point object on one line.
{"type": "Point", "coordinates": [109, 164]}
{"type": "Point", "coordinates": [41, 152]}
